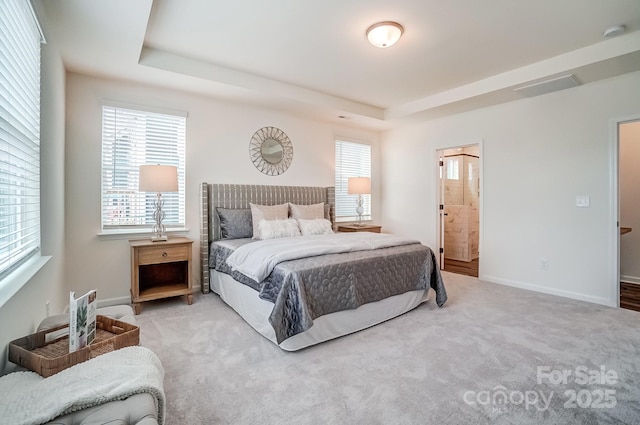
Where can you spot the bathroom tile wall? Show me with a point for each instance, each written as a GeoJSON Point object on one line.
{"type": "Point", "coordinates": [462, 199]}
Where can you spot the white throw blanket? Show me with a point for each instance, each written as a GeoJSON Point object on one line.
{"type": "Point", "coordinates": [26, 398]}
{"type": "Point", "coordinates": [257, 260]}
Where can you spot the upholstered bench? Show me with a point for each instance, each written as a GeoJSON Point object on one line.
{"type": "Point", "coordinates": [139, 409]}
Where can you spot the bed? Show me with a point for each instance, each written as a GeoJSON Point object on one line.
{"type": "Point", "coordinates": [302, 290]}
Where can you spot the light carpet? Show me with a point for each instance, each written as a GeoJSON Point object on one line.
{"type": "Point", "coordinates": [492, 354]}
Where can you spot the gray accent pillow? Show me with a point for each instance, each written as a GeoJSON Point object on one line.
{"type": "Point", "coordinates": [235, 223]}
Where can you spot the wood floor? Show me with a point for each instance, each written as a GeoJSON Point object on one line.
{"type": "Point", "coordinates": [629, 296]}
{"type": "Point", "coordinates": [462, 267]}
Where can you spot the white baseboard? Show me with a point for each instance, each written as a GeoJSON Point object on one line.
{"type": "Point", "coordinates": [113, 301]}
{"type": "Point", "coordinates": [630, 279]}
{"type": "Point", "coordinates": [106, 302]}
{"type": "Point", "coordinates": [125, 300]}
{"type": "Point", "coordinates": [551, 291]}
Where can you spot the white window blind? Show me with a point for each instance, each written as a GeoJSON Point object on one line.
{"type": "Point", "coordinates": [20, 40]}
{"type": "Point", "coordinates": [352, 160]}
{"type": "Point", "coordinates": [131, 138]}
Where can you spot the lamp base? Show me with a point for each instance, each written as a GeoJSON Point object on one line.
{"type": "Point", "coordinates": [359, 211]}
{"type": "Point", "coordinates": [158, 228]}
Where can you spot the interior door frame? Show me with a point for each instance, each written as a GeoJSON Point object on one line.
{"type": "Point", "coordinates": [614, 211]}
{"type": "Point", "coordinates": [442, 172]}
{"type": "Point", "coordinates": [439, 237]}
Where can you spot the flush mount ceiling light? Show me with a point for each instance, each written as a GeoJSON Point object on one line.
{"type": "Point", "coordinates": [613, 31]}
{"type": "Point", "coordinates": [384, 34]}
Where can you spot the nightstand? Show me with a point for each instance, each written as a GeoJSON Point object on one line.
{"type": "Point", "coordinates": [160, 270]}
{"type": "Point", "coordinates": [354, 228]}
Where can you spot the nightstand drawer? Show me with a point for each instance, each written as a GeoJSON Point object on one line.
{"type": "Point", "coordinates": [163, 254]}
{"type": "Point", "coordinates": [355, 228]}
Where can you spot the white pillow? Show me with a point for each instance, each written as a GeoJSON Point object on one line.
{"type": "Point", "coordinates": [267, 212]}
{"type": "Point", "coordinates": [318, 226]}
{"type": "Point", "coordinates": [271, 229]}
{"type": "Point", "coordinates": [307, 212]}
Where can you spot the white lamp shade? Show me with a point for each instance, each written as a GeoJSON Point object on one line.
{"type": "Point", "coordinates": [158, 178]}
{"type": "Point", "coordinates": [384, 34]}
{"type": "Point", "coordinates": [359, 186]}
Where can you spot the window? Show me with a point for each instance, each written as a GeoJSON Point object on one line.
{"type": "Point", "coordinates": [20, 40]}
{"type": "Point", "coordinates": [131, 138]}
{"type": "Point", "coordinates": [352, 160]}
{"type": "Point", "coordinates": [453, 169]}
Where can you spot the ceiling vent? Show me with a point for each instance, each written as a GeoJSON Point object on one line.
{"type": "Point", "coordinates": [548, 86]}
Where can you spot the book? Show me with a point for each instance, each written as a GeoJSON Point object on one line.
{"type": "Point", "coordinates": [82, 320]}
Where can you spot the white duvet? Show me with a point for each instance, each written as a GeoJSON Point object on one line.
{"type": "Point", "coordinates": [256, 260]}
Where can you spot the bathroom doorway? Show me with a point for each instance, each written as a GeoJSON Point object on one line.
{"type": "Point", "coordinates": [459, 208]}
{"type": "Point", "coordinates": [629, 214]}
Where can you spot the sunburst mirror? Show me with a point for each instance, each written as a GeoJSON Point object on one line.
{"type": "Point", "coordinates": [271, 151]}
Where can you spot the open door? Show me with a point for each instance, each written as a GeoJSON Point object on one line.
{"type": "Point", "coordinates": [459, 209]}
{"type": "Point", "coordinates": [441, 209]}
{"type": "Point", "coordinates": [628, 234]}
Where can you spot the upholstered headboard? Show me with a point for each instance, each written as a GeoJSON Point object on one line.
{"type": "Point", "coordinates": [239, 196]}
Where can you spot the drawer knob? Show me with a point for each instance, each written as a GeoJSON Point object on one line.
{"type": "Point", "coordinates": [164, 254]}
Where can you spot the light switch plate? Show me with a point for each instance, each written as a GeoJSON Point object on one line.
{"type": "Point", "coordinates": [583, 201]}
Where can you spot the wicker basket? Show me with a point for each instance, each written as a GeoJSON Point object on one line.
{"type": "Point", "coordinates": [33, 352]}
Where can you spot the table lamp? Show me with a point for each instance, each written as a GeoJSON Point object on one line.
{"type": "Point", "coordinates": [359, 186]}
{"type": "Point", "coordinates": [158, 179]}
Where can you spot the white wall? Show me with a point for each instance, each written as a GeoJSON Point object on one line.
{"type": "Point", "coordinates": [629, 182]}
{"type": "Point", "coordinates": [21, 314]}
{"type": "Point", "coordinates": [217, 151]}
{"type": "Point", "coordinates": [538, 154]}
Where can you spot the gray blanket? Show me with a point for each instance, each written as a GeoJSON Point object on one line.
{"type": "Point", "coordinates": [302, 290]}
